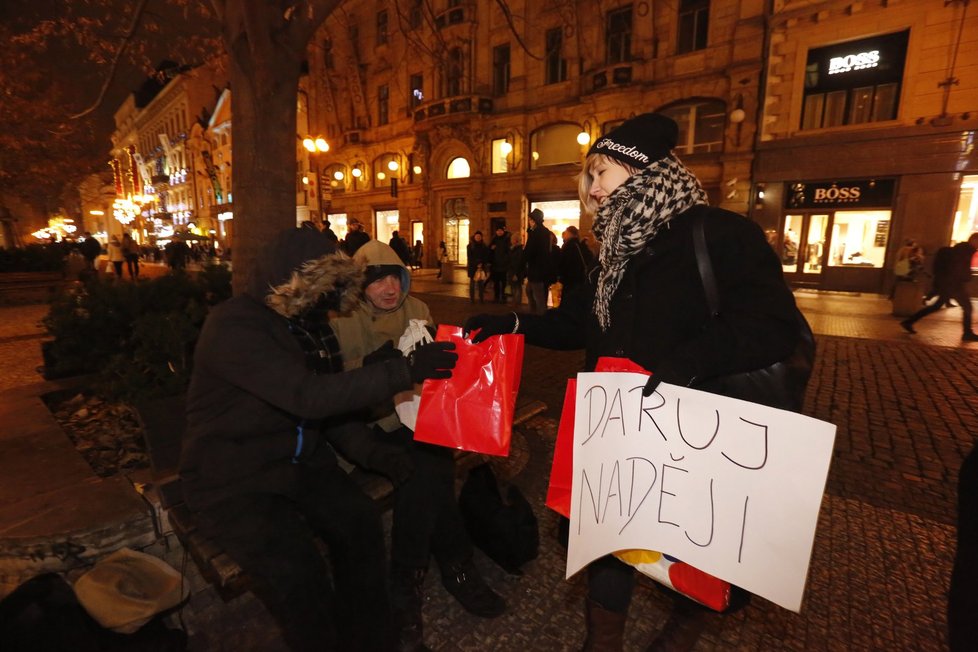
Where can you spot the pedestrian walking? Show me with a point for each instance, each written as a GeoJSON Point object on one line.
{"type": "Point", "coordinates": [500, 264]}
{"type": "Point", "coordinates": [951, 283]}
{"type": "Point", "coordinates": [538, 259]}
{"type": "Point", "coordinates": [116, 257]}
{"type": "Point", "coordinates": [645, 204]}
{"type": "Point", "coordinates": [91, 249]}
{"type": "Point", "coordinates": [130, 250]}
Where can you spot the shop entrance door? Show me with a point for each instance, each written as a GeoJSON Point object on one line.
{"type": "Point", "coordinates": [803, 247]}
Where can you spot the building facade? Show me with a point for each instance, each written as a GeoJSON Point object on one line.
{"type": "Point", "coordinates": [448, 116]}
{"type": "Point", "coordinates": [157, 189]}
{"type": "Point", "coordinates": [868, 136]}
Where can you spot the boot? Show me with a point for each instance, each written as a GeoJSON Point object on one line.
{"type": "Point", "coordinates": [605, 629]}
{"type": "Point", "coordinates": [465, 583]}
{"type": "Point", "coordinates": [407, 584]}
{"type": "Point", "coordinates": [683, 629]}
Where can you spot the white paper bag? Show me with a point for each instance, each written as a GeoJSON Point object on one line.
{"type": "Point", "coordinates": [406, 403]}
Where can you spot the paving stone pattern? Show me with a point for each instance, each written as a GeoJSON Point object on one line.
{"type": "Point", "coordinates": [906, 413]}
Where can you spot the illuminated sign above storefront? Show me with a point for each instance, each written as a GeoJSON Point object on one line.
{"type": "Point", "coordinates": [864, 193]}
{"type": "Point", "coordinates": [850, 62]}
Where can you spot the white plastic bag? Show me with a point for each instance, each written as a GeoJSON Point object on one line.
{"type": "Point", "coordinates": [406, 403]}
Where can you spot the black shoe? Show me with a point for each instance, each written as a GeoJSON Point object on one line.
{"type": "Point", "coordinates": [465, 583]}
{"type": "Point", "coordinates": [407, 584]}
{"type": "Point", "coordinates": [970, 336]}
{"type": "Point", "coordinates": [908, 326]}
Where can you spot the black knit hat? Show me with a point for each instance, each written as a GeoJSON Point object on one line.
{"type": "Point", "coordinates": [639, 141]}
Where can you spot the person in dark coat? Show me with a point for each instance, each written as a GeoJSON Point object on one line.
{"type": "Point", "coordinates": [268, 401]}
{"type": "Point", "coordinates": [400, 247]}
{"type": "Point", "coordinates": [951, 283]}
{"type": "Point", "coordinates": [575, 260]}
{"type": "Point", "coordinates": [356, 237]}
{"type": "Point", "coordinates": [643, 200]}
{"type": "Point", "coordinates": [538, 260]}
{"type": "Point", "coordinates": [91, 249]}
{"type": "Point", "coordinates": [516, 272]}
{"type": "Point", "coordinates": [499, 246]}
{"type": "Point", "coordinates": [479, 259]}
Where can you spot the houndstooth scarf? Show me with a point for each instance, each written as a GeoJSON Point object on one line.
{"type": "Point", "coordinates": [632, 216]}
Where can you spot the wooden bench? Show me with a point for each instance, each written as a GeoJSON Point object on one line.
{"type": "Point", "coordinates": [29, 286]}
{"type": "Point", "coordinates": [164, 423]}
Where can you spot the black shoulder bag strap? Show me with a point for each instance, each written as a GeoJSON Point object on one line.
{"type": "Point", "coordinates": [704, 263]}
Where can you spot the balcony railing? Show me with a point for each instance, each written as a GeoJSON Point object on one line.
{"type": "Point", "coordinates": [459, 105]}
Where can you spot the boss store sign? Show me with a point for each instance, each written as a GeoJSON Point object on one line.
{"type": "Point", "coordinates": [866, 61]}
{"type": "Point", "coordinates": [858, 193]}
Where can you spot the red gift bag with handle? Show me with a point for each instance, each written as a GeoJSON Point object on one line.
{"type": "Point", "coordinates": [559, 490]}
{"type": "Point", "coordinates": [473, 410]}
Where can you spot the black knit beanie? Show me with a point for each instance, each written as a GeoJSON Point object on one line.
{"type": "Point", "coordinates": [639, 141]}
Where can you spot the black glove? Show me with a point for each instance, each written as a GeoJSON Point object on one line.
{"type": "Point", "coordinates": [385, 351]}
{"type": "Point", "coordinates": [432, 360]}
{"type": "Point", "coordinates": [665, 374]}
{"type": "Point", "coordinates": [391, 461]}
{"type": "Point", "coordinates": [489, 325]}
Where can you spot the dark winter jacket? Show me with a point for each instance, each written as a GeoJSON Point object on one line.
{"type": "Point", "coordinates": [659, 316]}
{"type": "Point", "coordinates": [575, 261]}
{"type": "Point", "coordinates": [538, 255]}
{"type": "Point", "coordinates": [252, 387]}
{"type": "Point", "coordinates": [478, 254]}
{"type": "Point", "coordinates": [500, 247]}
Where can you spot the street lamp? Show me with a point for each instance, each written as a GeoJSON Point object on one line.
{"type": "Point", "coordinates": [316, 145]}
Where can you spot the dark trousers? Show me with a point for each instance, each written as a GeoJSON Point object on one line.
{"type": "Point", "coordinates": [960, 295]}
{"type": "Point", "coordinates": [273, 539]}
{"type": "Point", "coordinates": [962, 602]}
{"type": "Point", "coordinates": [536, 295]}
{"type": "Point", "coordinates": [117, 266]}
{"type": "Point", "coordinates": [426, 520]}
{"type": "Point", "coordinates": [132, 264]}
{"type": "Point", "coordinates": [499, 286]}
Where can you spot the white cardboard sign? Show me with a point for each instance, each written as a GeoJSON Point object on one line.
{"type": "Point", "coordinates": [731, 487]}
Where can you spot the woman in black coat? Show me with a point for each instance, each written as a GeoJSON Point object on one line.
{"type": "Point", "coordinates": [646, 302]}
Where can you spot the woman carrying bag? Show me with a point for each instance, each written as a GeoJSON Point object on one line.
{"type": "Point", "coordinates": [646, 302]}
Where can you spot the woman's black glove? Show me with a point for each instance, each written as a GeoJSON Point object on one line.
{"type": "Point", "coordinates": [489, 325]}
{"type": "Point", "coordinates": [393, 462]}
{"type": "Point", "coordinates": [665, 374]}
{"type": "Point", "coordinates": [385, 351]}
{"type": "Point", "coordinates": [432, 360]}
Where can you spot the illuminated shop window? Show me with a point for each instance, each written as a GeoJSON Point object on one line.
{"type": "Point", "coordinates": [555, 144]}
{"type": "Point", "coordinates": [854, 82]}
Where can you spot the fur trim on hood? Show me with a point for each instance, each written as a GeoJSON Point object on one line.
{"type": "Point", "coordinates": [333, 274]}
{"type": "Point", "coordinates": [299, 269]}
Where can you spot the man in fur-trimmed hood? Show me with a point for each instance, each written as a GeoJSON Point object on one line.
{"type": "Point", "coordinates": [267, 391]}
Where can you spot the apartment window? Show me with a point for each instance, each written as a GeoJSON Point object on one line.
{"type": "Point", "coordinates": [555, 144]}
{"type": "Point", "coordinates": [382, 27]}
{"type": "Point", "coordinates": [454, 72]}
{"type": "Point", "coordinates": [500, 70]}
{"type": "Point", "coordinates": [856, 82]}
{"type": "Point", "coordinates": [700, 125]}
{"type": "Point", "coordinates": [556, 70]}
{"type": "Point", "coordinates": [694, 18]}
{"type": "Point", "coordinates": [416, 84]}
{"type": "Point", "coordinates": [618, 35]}
{"type": "Point", "coordinates": [383, 104]}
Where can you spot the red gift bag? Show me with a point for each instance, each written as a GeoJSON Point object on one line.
{"type": "Point", "coordinates": [559, 490]}
{"type": "Point", "coordinates": [473, 410]}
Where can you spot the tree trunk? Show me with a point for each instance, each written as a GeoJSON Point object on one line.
{"type": "Point", "coordinates": [266, 45]}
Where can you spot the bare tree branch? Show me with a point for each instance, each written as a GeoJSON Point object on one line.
{"type": "Point", "coordinates": [512, 28]}
{"type": "Point", "coordinates": [126, 38]}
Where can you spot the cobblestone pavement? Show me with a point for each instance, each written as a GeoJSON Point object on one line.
{"type": "Point", "coordinates": [906, 413]}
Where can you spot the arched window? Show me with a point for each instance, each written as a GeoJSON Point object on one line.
{"type": "Point", "coordinates": [387, 166]}
{"type": "Point", "coordinates": [336, 176]}
{"type": "Point", "coordinates": [700, 125]}
{"type": "Point", "coordinates": [458, 168]}
{"type": "Point", "coordinates": [555, 144]}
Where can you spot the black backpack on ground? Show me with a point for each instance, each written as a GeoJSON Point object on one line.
{"type": "Point", "coordinates": [506, 530]}
{"type": "Point", "coordinates": [43, 615]}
